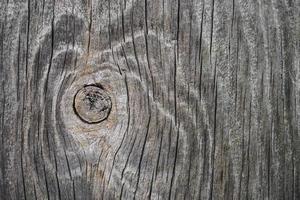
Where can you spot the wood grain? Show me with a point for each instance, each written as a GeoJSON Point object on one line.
{"type": "Point", "coordinates": [205, 99]}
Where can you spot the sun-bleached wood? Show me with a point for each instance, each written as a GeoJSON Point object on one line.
{"type": "Point", "coordinates": [205, 99]}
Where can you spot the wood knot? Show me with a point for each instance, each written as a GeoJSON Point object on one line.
{"type": "Point", "coordinates": [92, 104]}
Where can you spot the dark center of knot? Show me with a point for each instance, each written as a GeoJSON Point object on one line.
{"type": "Point", "coordinates": [92, 104]}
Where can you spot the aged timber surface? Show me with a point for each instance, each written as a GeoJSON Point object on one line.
{"type": "Point", "coordinates": [149, 99]}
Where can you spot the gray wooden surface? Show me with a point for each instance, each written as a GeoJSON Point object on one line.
{"type": "Point", "coordinates": [205, 99]}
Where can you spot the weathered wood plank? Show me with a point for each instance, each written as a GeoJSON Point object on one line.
{"type": "Point", "coordinates": [204, 99]}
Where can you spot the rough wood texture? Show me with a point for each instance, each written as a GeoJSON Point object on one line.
{"type": "Point", "coordinates": [205, 99]}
